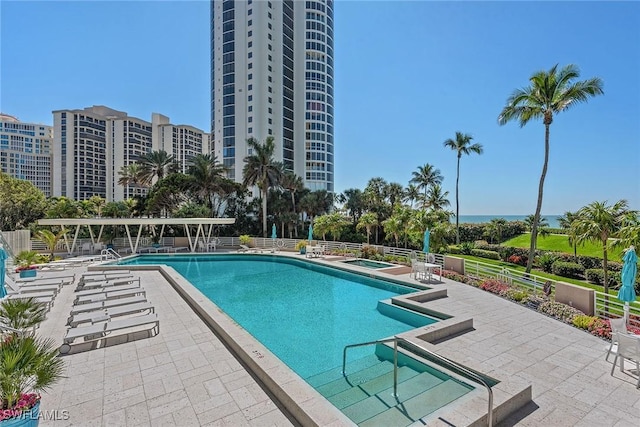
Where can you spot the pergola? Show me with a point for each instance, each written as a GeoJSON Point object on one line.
{"type": "Point", "coordinates": [203, 230]}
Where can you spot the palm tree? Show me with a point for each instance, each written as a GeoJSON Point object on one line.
{"type": "Point", "coordinates": [461, 145]}
{"type": "Point", "coordinates": [130, 176]}
{"type": "Point", "coordinates": [205, 172]}
{"type": "Point", "coordinates": [566, 221]}
{"type": "Point", "coordinates": [155, 164]}
{"type": "Point", "coordinates": [394, 192]}
{"type": "Point", "coordinates": [262, 170]}
{"type": "Point", "coordinates": [436, 199]}
{"type": "Point", "coordinates": [293, 184]}
{"type": "Point", "coordinates": [368, 221]}
{"type": "Point", "coordinates": [50, 239]}
{"type": "Point", "coordinates": [393, 226]}
{"type": "Point", "coordinates": [425, 177]}
{"type": "Point", "coordinates": [530, 219]}
{"type": "Point", "coordinates": [550, 93]}
{"type": "Point", "coordinates": [598, 222]}
{"type": "Point", "coordinates": [411, 194]}
{"type": "Point", "coordinates": [495, 228]}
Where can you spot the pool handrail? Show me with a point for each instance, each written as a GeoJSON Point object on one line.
{"type": "Point", "coordinates": [472, 375]}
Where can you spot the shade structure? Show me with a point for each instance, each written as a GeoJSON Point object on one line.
{"type": "Point", "coordinates": [627, 292]}
{"type": "Point", "coordinates": [310, 237]}
{"type": "Point", "coordinates": [274, 234]}
{"type": "Point", "coordinates": [425, 243]}
{"type": "Point", "coordinates": [3, 258]}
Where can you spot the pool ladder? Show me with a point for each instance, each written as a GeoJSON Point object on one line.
{"type": "Point", "coordinates": [472, 375]}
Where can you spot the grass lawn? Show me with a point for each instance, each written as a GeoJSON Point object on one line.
{"type": "Point", "coordinates": [560, 242]}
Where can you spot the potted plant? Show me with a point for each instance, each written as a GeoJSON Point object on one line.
{"type": "Point", "coordinates": [302, 246]}
{"type": "Point", "coordinates": [26, 261]}
{"type": "Point", "coordinates": [28, 364]}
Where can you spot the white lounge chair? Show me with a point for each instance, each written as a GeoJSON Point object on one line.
{"type": "Point", "coordinates": [108, 283]}
{"type": "Point", "coordinates": [112, 312]}
{"type": "Point", "coordinates": [103, 278]}
{"type": "Point", "coordinates": [100, 305]}
{"type": "Point", "coordinates": [28, 287]}
{"type": "Point", "coordinates": [115, 288]}
{"type": "Point", "coordinates": [107, 295]}
{"type": "Point", "coordinates": [99, 331]}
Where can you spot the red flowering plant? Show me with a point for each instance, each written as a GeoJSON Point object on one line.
{"type": "Point", "coordinates": [28, 364]}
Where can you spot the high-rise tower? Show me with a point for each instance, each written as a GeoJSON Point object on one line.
{"type": "Point", "coordinates": [272, 75]}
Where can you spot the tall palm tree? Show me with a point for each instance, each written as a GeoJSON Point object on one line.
{"type": "Point", "coordinates": [262, 170]}
{"type": "Point", "coordinates": [368, 221]}
{"type": "Point", "coordinates": [551, 92]}
{"type": "Point", "coordinates": [130, 176]}
{"type": "Point", "coordinates": [599, 221]}
{"type": "Point", "coordinates": [530, 219]}
{"type": "Point", "coordinates": [395, 192]}
{"type": "Point", "coordinates": [425, 177]}
{"type": "Point", "coordinates": [461, 145]}
{"type": "Point", "coordinates": [155, 164]}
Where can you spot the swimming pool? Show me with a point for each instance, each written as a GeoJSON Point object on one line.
{"type": "Point", "coordinates": [304, 313]}
{"type": "Point", "coordinates": [369, 264]}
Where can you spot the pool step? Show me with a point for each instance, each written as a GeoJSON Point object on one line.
{"type": "Point", "coordinates": [366, 395]}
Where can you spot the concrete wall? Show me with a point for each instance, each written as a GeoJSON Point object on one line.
{"type": "Point", "coordinates": [454, 264]}
{"type": "Point", "coordinates": [576, 296]}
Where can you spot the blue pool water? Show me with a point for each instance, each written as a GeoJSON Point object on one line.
{"type": "Point", "coordinates": [304, 313]}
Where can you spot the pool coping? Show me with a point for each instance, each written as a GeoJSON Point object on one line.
{"type": "Point", "coordinates": [301, 400]}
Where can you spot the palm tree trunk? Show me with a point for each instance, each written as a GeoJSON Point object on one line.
{"type": "Point", "coordinates": [264, 213]}
{"type": "Point", "coordinates": [457, 204]}
{"type": "Point", "coordinates": [536, 218]}
{"type": "Point", "coordinates": [606, 276]}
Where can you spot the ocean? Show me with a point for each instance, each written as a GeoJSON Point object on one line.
{"type": "Point", "coordinates": [476, 219]}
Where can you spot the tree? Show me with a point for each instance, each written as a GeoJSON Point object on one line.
{"type": "Point", "coordinates": [495, 229]}
{"type": "Point", "coordinates": [530, 219]}
{"type": "Point", "coordinates": [393, 227]}
{"type": "Point", "coordinates": [206, 174]}
{"type": "Point", "coordinates": [355, 203]}
{"type": "Point", "coordinates": [130, 177]}
{"type": "Point", "coordinates": [293, 184]}
{"type": "Point", "coordinates": [426, 176]}
{"type": "Point", "coordinates": [395, 192]}
{"type": "Point", "coordinates": [262, 170]}
{"type": "Point", "coordinates": [368, 221]}
{"type": "Point", "coordinates": [550, 92]}
{"type": "Point", "coordinates": [597, 222]}
{"type": "Point", "coordinates": [461, 145]}
{"type": "Point", "coordinates": [155, 164]}
{"type": "Point", "coordinates": [566, 223]}
{"type": "Point", "coordinates": [50, 239]}
{"type": "Point", "coordinates": [21, 203]}
{"type": "Point", "coordinates": [63, 207]}
{"type": "Point", "coordinates": [436, 199]}
{"type": "Point", "coordinates": [411, 194]}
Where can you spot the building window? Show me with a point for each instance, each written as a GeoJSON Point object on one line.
{"type": "Point", "coordinates": [270, 132]}
{"type": "Point", "coordinates": [270, 48]}
{"type": "Point", "coordinates": [269, 36]}
{"type": "Point", "coordinates": [270, 27]}
{"type": "Point", "coordinates": [269, 14]}
{"type": "Point", "coordinates": [250, 33]}
{"type": "Point", "coordinates": [250, 22]}
{"type": "Point", "coordinates": [250, 66]}
{"type": "Point", "coordinates": [270, 90]}
{"type": "Point", "coordinates": [249, 87]}
{"type": "Point", "coordinates": [250, 119]}
{"type": "Point", "coordinates": [270, 100]}
{"type": "Point", "coordinates": [270, 79]}
{"type": "Point", "coordinates": [250, 76]}
{"type": "Point", "coordinates": [270, 110]}
{"type": "Point", "coordinates": [270, 58]}
{"type": "Point", "coordinates": [270, 121]}
{"type": "Point", "coordinates": [250, 55]}
{"type": "Point", "coordinates": [250, 108]}
{"type": "Point", "coordinates": [249, 12]}
{"type": "Point", "coordinates": [250, 98]}
{"type": "Point", "coordinates": [250, 44]}
{"type": "Point", "coordinates": [270, 68]}
{"type": "Point", "coordinates": [250, 130]}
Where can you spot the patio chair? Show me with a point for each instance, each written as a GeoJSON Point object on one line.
{"type": "Point", "coordinates": [112, 312]}
{"type": "Point", "coordinates": [628, 348]}
{"type": "Point", "coordinates": [244, 248]}
{"type": "Point", "coordinates": [108, 295]}
{"type": "Point", "coordinates": [100, 305]}
{"type": "Point", "coordinates": [418, 270]}
{"type": "Point", "coordinates": [617, 325]}
{"type": "Point", "coordinates": [99, 331]}
{"type": "Point", "coordinates": [109, 287]}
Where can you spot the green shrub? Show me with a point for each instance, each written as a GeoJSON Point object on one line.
{"type": "Point", "coordinates": [453, 249]}
{"type": "Point", "coordinates": [245, 239]}
{"type": "Point", "coordinates": [485, 254]}
{"type": "Point", "coordinates": [546, 260]}
{"type": "Point", "coordinates": [567, 269]}
{"type": "Point", "coordinates": [596, 275]}
{"type": "Point", "coordinates": [583, 321]}
{"type": "Point", "coordinates": [517, 294]}
{"type": "Point", "coordinates": [467, 247]}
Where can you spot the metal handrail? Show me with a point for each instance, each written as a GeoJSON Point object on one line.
{"type": "Point", "coordinates": [458, 366]}
{"type": "Point", "coordinates": [108, 252]}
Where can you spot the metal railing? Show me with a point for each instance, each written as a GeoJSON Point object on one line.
{"type": "Point", "coordinates": [446, 361]}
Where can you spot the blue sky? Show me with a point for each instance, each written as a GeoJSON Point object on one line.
{"type": "Point", "coordinates": [408, 76]}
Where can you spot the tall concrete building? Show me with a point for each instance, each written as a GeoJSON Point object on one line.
{"type": "Point", "coordinates": [25, 151]}
{"type": "Point", "coordinates": [272, 75]}
{"type": "Point", "coordinates": [93, 144]}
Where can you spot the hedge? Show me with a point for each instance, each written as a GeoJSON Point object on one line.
{"type": "Point", "coordinates": [485, 254]}
{"type": "Point", "coordinates": [596, 275]}
{"type": "Point", "coordinates": [567, 269]}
